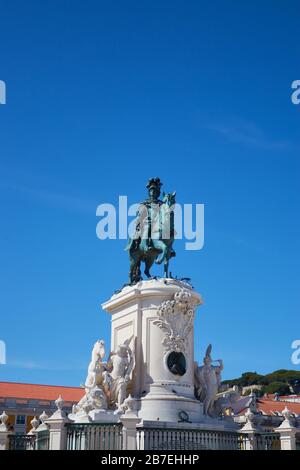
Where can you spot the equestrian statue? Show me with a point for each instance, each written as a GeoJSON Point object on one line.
{"type": "Point", "coordinates": [154, 233]}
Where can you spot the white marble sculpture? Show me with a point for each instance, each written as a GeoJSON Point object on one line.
{"type": "Point", "coordinates": [117, 374]}
{"type": "Point", "coordinates": [159, 313]}
{"type": "Point", "coordinates": [94, 397]}
{"type": "Point", "coordinates": [95, 368]}
{"type": "Point", "coordinates": [106, 382]}
{"type": "Point", "coordinates": [176, 319]}
{"type": "Point", "coordinates": [207, 382]}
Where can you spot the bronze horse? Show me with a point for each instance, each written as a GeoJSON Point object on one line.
{"type": "Point", "coordinates": [157, 246]}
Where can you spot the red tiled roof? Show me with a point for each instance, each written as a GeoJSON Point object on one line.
{"type": "Point", "coordinates": [40, 392]}
{"type": "Point", "coordinates": [271, 396]}
{"type": "Point", "coordinates": [284, 397]}
{"type": "Point", "coordinates": [268, 406]}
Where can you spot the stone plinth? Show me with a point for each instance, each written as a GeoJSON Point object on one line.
{"type": "Point", "coordinates": [159, 316]}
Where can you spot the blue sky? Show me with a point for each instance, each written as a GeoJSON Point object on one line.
{"type": "Point", "coordinates": [101, 96]}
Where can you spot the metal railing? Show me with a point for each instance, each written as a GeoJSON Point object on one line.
{"type": "Point", "coordinates": [39, 441]}
{"type": "Point", "coordinates": [21, 442]}
{"type": "Point", "coordinates": [109, 436]}
{"type": "Point", "coordinates": [191, 439]}
{"type": "Point", "coordinates": [94, 436]}
{"type": "Point", "coordinates": [268, 441]}
{"type": "Point", "coordinates": [42, 440]}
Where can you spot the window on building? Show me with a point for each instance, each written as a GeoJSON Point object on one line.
{"type": "Point", "coordinates": [20, 419]}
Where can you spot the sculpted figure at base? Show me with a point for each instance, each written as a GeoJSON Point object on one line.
{"type": "Point", "coordinates": [106, 382]}
{"type": "Point", "coordinates": [226, 400]}
{"type": "Point", "coordinates": [94, 397]}
{"type": "Point", "coordinates": [207, 382]}
{"type": "Point", "coordinates": [118, 374]}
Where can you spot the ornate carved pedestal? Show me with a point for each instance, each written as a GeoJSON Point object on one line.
{"type": "Point", "coordinates": [159, 316]}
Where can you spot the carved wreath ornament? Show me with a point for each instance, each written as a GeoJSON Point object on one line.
{"type": "Point", "coordinates": [176, 318]}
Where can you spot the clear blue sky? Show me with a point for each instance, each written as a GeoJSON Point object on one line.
{"type": "Point", "coordinates": [102, 95]}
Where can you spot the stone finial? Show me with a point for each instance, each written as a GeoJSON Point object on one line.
{"type": "Point", "coordinates": [288, 418]}
{"type": "Point", "coordinates": [251, 422]}
{"type": "Point", "coordinates": [249, 415]}
{"type": "Point", "coordinates": [34, 425]}
{"type": "Point", "coordinates": [59, 402]}
{"type": "Point", "coordinates": [253, 403]}
{"type": "Point", "coordinates": [3, 419]}
{"type": "Point", "coordinates": [43, 417]}
{"type": "Point", "coordinates": [59, 413]}
{"type": "Point", "coordinates": [34, 422]}
{"type": "Point", "coordinates": [43, 426]}
{"type": "Point", "coordinates": [286, 413]}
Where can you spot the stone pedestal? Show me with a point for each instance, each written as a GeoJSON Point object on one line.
{"type": "Point", "coordinates": [288, 440]}
{"type": "Point", "coordinates": [129, 421]}
{"type": "Point", "coordinates": [58, 431]}
{"type": "Point", "coordinates": [4, 439]}
{"type": "Point", "coordinates": [251, 430]}
{"type": "Point", "coordinates": [159, 316]}
{"type": "Point", "coordinates": [104, 416]}
{"type": "Point", "coordinates": [3, 431]}
{"type": "Point", "coordinates": [288, 430]}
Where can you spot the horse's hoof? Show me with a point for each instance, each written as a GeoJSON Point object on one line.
{"type": "Point", "coordinates": [158, 262]}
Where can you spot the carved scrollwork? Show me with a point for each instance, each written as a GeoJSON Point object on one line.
{"type": "Point", "coordinates": [175, 319]}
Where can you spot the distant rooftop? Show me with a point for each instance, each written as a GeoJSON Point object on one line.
{"type": "Point", "coordinates": [39, 391]}
{"type": "Point", "coordinates": [269, 407]}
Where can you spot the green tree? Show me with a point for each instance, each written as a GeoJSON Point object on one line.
{"type": "Point", "coordinates": [277, 387]}
{"type": "Point", "coordinates": [277, 381]}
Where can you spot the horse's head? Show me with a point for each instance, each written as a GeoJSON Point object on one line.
{"type": "Point", "coordinates": [169, 199]}
{"type": "Point", "coordinates": [99, 348]}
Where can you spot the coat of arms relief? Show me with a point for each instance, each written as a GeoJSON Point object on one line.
{"type": "Point", "coordinates": [175, 319]}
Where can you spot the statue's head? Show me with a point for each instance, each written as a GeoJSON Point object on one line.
{"type": "Point", "coordinates": [153, 186]}
{"type": "Point", "coordinates": [207, 361]}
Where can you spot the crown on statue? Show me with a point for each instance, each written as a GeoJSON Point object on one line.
{"type": "Point", "coordinates": [154, 183]}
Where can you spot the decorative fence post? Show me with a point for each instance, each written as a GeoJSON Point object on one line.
{"type": "Point", "coordinates": [129, 421]}
{"type": "Point", "coordinates": [57, 427]}
{"type": "Point", "coordinates": [34, 425]}
{"type": "Point", "coordinates": [287, 431]}
{"type": "Point", "coordinates": [250, 430]}
{"type": "Point", "coordinates": [42, 433]}
{"type": "Point", "coordinates": [4, 432]}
